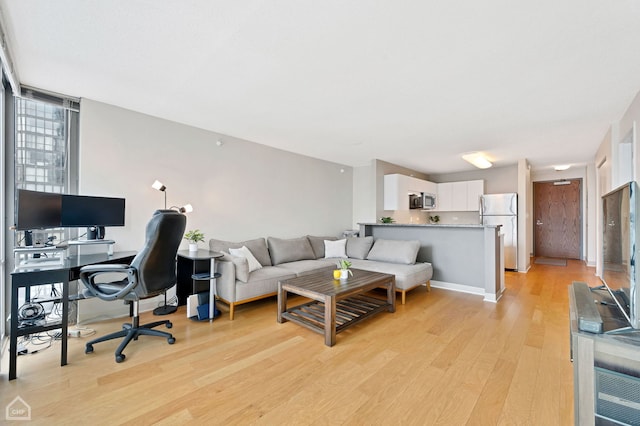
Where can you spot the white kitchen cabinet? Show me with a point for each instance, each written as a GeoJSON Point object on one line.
{"type": "Point", "coordinates": [459, 196]}
{"type": "Point", "coordinates": [444, 201]}
{"type": "Point", "coordinates": [395, 193]}
{"type": "Point", "coordinates": [397, 188]}
{"type": "Point", "coordinates": [475, 189]}
{"type": "Point", "coordinates": [430, 187]}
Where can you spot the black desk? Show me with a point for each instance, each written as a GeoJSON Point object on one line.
{"type": "Point", "coordinates": [26, 277]}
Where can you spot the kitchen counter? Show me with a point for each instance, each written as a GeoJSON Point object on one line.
{"type": "Point", "coordinates": [434, 225]}
{"type": "Point", "coordinates": [465, 257]}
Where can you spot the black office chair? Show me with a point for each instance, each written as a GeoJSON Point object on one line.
{"type": "Point", "coordinates": [151, 273]}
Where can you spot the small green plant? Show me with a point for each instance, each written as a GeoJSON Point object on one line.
{"type": "Point", "coordinates": [194, 236]}
{"type": "Point", "coordinates": [386, 219]}
{"type": "Point", "coordinates": [434, 219]}
{"type": "Point", "coordinates": [344, 265]}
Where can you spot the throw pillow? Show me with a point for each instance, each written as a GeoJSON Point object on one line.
{"type": "Point", "coordinates": [358, 248]}
{"type": "Point", "coordinates": [258, 248]}
{"type": "Point", "coordinates": [246, 253]}
{"type": "Point", "coordinates": [335, 248]}
{"type": "Point", "coordinates": [241, 266]}
{"type": "Point", "coordinates": [395, 251]}
{"type": "Point", "coordinates": [289, 250]}
{"type": "Point", "coordinates": [317, 244]}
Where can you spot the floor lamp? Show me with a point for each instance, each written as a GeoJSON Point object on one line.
{"type": "Point", "coordinates": [165, 309]}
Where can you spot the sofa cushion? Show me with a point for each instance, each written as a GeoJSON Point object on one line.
{"type": "Point", "coordinates": [358, 248]}
{"type": "Point", "coordinates": [258, 248]}
{"type": "Point", "coordinates": [241, 266]}
{"type": "Point", "coordinates": [317, 244]}
{"type": "Point", "coordinates": [395, 251]}
{"type": "Point", "coordinates": [337, 248]}
{"type": "Point", "coordinates": [407, 276]}
{"type": "Point", "coordinates": [289, 250]}
{"type": "Point", "coordinates": [246, 253]}
{"type": "Point", "coordinates": [306, 267]}
{"type": "Point", "coordinates": [262, 282]}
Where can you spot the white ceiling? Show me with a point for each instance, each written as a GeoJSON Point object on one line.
{"type": "Point", "coordinates": [415, 83]}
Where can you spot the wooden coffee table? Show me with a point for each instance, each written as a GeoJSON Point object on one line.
{"type": "Point", "coordinates": [336, 305]}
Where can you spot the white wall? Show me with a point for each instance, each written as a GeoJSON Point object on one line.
{"type": "Point", "coordinates": [591, 215]}
{"type": "Point", "coordinates": [240, 190]}
{"type": "Point", "coordinates": [364, 195]}
{"type": "Point", "coordinates": [603, 166]}
{"type": "Point", "coordinates": [630, 119]}
{"type": "Point", "coordinates": [525, 215]}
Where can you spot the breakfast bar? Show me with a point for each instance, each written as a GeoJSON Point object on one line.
{"type": "Point", "coordinates": [467, 258]}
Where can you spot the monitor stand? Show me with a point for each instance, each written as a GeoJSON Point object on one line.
{"type": "Point", "coordinates": [81, 243]}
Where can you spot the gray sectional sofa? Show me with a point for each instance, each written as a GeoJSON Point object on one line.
{"type": "Point", "coordinates": [244, 280]}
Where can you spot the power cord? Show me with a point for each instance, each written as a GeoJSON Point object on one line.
{"type": "Point", "coordinates": [81, 332]}
{"type": "Point", "coordinates": [35, 340]}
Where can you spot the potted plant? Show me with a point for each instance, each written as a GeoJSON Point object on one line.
{"type": "Point", "coordinates": [386, 219]}
{"type": "Point", "coordinates": [434, 219]}
{"type": "Point", "coordinates": [194, 237]}
{"type": "Point", "coordinates": [343, 270]}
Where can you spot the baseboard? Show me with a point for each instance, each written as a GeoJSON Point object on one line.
{"type": "Point", "coordinates": [94, 309]}
{"type": "Point", "coordinates": [461, 288]}
{"type": "Point", "coordinates": [493, 298]}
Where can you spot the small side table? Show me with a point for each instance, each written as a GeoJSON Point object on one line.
{"type": "Point", "coordinates": [197, 258]}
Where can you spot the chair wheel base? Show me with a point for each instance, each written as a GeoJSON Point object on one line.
{"type": "Point", "coordinates": [88, 349]}
{"type": "Point", "coordinates": [171, 340]}
{"type": "Point", "coordinates": [120, 358]}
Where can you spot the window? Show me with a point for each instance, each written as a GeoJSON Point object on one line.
{"type": "Point", "coordinates": [41, 147]}
{"type": "Point", "coordinates": [45, 143]}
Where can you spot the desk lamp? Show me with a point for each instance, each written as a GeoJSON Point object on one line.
{"type": "Point", "coordinates": [187, 208]}
{"type": "Point", "coordinates": [160, 187]}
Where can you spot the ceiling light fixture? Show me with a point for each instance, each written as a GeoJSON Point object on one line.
{"type": "Point", "coordinates": [561, 167]}
{"type": "Point", "coordinates": [477, 159]}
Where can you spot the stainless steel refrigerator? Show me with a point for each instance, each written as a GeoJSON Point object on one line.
{"type": "Point", "coordinates": [502, 209]}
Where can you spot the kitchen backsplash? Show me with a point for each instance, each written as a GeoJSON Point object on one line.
{"type": "Point", "coordinates": [418, 216]}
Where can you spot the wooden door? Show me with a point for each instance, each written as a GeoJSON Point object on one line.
{"type": "Point", "coordinates": [556, 219]}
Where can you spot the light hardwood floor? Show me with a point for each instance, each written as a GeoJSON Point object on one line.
{"type": "Point", "coordinates": [443, 358]}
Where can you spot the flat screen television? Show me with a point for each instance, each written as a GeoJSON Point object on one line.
{"type": "Point", "coordinates": [82, 210]}
{"type": "Point", "coordinates": [38, 210]}
{"type": "Point", "coordinates": [620, 239]}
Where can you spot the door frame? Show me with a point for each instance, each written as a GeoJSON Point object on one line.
{"type": "Point", "coordinates": [581, 213]}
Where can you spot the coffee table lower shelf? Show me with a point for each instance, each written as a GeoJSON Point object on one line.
{"type": "Point", "coordinates": [349, 311]}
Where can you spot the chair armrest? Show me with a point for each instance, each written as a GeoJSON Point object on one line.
{"type": "Point", "coordinates": [89, 273]}
{"type": "Point", "coordinates": [109, 267]}
{"type": "Point", "coordinates": [226, 284]}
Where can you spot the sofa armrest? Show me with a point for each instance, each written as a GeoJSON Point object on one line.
{"type": "Point", "coordinates": [226, 284]}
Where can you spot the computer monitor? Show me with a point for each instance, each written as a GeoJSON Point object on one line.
{"type": "Point", "coordinates": [81, 210]}
{"type": "Point", "coordinates": [38, 210]}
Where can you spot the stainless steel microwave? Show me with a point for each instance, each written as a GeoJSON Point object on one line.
{"type": "Point", "coordinates": [428, 201]}
{"type": "Point", "coordinates": [415, 201]}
